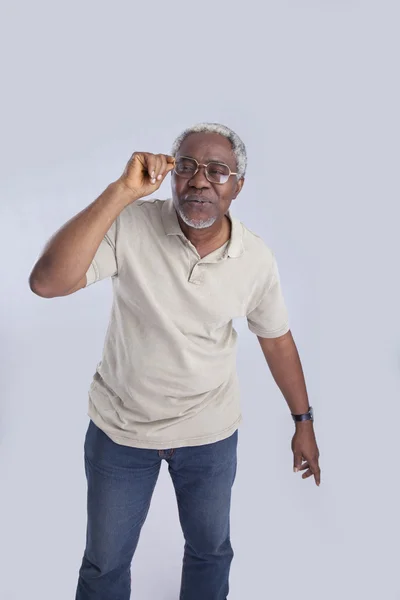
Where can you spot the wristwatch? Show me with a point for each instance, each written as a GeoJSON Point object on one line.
{"type": "Point", "coordinates": [308, 416]}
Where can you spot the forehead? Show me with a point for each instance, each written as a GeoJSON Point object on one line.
{"type": "Point", "coordinates": [208, 146]}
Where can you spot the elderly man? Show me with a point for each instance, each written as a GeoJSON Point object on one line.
{"type": "Point", "coordinates": [166, 388]}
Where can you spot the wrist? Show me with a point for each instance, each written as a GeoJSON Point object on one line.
{"type": "Point", "coordinates": [304, 424]}
{"type": "Point", "coordinates": [123, 194]}
{"type": "Point", "coordinates": [306, 417]}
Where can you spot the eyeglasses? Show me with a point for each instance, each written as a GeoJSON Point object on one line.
{"type": "Point", "coordinates": [216, 172]}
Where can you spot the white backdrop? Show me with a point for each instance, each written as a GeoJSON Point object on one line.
{"type": "Point", "coordinates": [312, 88]}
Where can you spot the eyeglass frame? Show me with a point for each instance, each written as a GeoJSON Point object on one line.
{"type": "Point", "coordinates": [216, 162]}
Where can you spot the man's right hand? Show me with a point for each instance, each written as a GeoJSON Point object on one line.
{"type": "Point", "coordinates": [145, 172]}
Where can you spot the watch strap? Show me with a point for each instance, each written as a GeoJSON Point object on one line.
{"type": "Point", "coordinates": [308, 416]}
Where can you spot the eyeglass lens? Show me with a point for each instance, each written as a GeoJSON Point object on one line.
{"type": "Point", "coordinates": [216, 172]}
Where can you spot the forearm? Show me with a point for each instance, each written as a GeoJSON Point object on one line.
{"type": "Point", "coordinates": [69, 253]}
{"type": "Point", "coordinates": [284, 362]}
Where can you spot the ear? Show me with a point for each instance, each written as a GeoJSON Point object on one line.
{"type": "Point", "coordinates": [238, 189]}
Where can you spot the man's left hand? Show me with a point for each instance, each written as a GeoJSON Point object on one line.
{"type": "Point", "coordinates": [305, 451]}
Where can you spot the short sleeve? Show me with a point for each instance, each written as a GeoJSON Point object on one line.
{"type": "Point", "coordinates": [269, 318]}
{"type": "Point", "coordinates": [104, 263]}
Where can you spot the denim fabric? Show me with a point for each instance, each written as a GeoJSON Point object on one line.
{"type": "Point", "coordinates": [121, 482]}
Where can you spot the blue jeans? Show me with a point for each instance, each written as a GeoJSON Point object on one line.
{"type": "Point", "coordinates": [121, 481]}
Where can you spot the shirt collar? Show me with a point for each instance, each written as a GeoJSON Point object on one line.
{"type": "Point", "coordinates": [172, 227]}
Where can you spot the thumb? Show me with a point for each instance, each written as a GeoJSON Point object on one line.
{"type": "Point", "coordinates": [170, 164]}
{"type": "Point", "coordinates": [170, 167]}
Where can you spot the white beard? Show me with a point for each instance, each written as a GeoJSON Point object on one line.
{"type": "Point", "coordinates": [196, 223]}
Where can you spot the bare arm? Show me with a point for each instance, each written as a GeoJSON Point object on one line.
{"type": "Point", "coordinates": [62, 267]}
{"type": "Point", "coordinates": [284, 362]}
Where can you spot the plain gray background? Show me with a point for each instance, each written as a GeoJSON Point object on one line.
{"type": "Point", "coordinates": [312, 87]}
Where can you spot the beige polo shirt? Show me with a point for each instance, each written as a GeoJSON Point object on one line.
{"type": "Point", "coordinates": [168, 375]}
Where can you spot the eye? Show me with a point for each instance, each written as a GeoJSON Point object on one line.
{"type": "Point", "coordinates": [217, 170]}
{"type": "Point", "coordinates": [185, 165]}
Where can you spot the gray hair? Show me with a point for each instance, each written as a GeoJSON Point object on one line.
{"type": "Point", "coordinates": [238, 147]}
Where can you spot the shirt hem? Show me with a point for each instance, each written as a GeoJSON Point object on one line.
{"type": "Point", "coordinates": [170, 444]}
{"type": "Point", "coordinates": [269, 334]}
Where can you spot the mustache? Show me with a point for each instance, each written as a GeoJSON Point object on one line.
{"type": "Point", "coordinates": [196, 198]}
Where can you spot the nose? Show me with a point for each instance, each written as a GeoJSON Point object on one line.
{"type": "Point", "coordinates": [199, 180]}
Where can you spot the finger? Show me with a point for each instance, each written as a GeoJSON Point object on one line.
{"type": "Point", "coordinates": [298, 459]}
{"type": "Point", "coordinates": [317, 474]}
{"type": "Point", "coordinates": [170, 167]}
{"type": "Point", "coordinates": [315, 470]}
{"type": "Point", "coordinates": [168, 164]}
{"type": "Point", "coordinates": [307, 474]}
{"type": "Point", "coordinates": [150, 165]}
{"type": "Point", "coordinates": [304, 466]}
{"type": "Point", "coordinates": [137, 163]}
{"type": "Point", "coordinates": [164, 168]}
{"type": "Point", "coordinates": [158, 167]}
{"type": "Point", "coordinates": [317, 477]}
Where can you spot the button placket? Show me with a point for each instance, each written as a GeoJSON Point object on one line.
{"type": "Point", "coordinates": [195, 276]}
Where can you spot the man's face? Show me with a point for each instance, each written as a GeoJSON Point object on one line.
{"type": "Point", "coordinates": [198, 202]}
